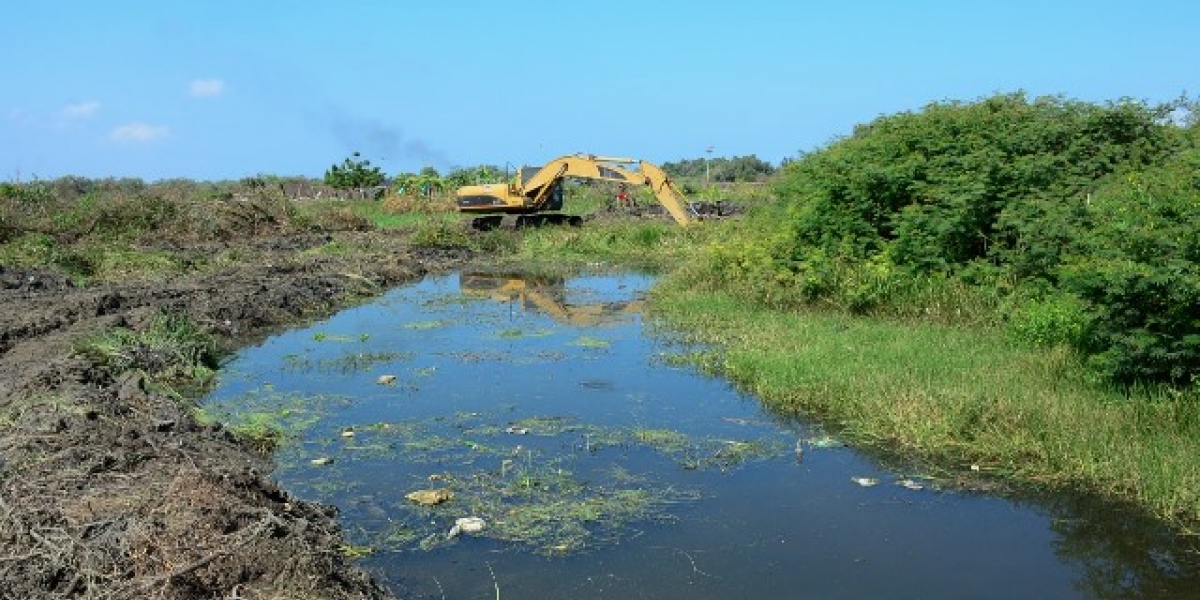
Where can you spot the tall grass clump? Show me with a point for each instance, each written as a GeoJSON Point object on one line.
{"type": "Point", "coordinates": [171, 349]}
{"type": "Point", "coordinates": [650, 245]}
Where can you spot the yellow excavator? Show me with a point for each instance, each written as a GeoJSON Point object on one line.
{"type": "Point", "coordinates": [531, 198]}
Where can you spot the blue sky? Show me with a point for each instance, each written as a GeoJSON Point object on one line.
{"type": "Point", "coordinates": [226, 89]}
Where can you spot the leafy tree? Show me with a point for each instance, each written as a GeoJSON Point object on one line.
{"type": "Point", "coordinates": [461, 176]}
{"type": "Point", "coordinates": [722, 170]}
{"type": "Point", "coordinates": [354, 173]}
{"type": "Point", "coordinates": [405, 184]}
{"type": "Point", "coordinates": [429, 181]}
{"type": "Point", "coordinates": [425, 183]}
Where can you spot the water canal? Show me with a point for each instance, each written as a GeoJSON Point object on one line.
{"type": "Point", "coordinates": [600, 466]}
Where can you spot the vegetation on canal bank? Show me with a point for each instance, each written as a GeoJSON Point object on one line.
{"type": "Point", "coordinates": [1010, 283]}
{"type": "Point", "coordinates": [961, 399]}
{"type": "Point", "coordinates": [1008, 286]}
{"type": "Point", "coordinates": [948, 374]}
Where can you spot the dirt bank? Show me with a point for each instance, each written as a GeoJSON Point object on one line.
{"type": "Point", "coordinates": [111, 490]}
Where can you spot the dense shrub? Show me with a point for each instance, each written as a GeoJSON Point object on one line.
{"type": "Point", "coordinates": [932, 186]}
{"type": "Point", "coordinates": [1135, 257]}
{"type": "Point", "coordinates": [1078, 223]}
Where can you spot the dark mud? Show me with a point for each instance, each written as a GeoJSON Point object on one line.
{"type": "Point", "coordinates": [111, 489]}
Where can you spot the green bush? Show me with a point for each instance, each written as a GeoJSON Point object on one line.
{"type": "Point", "coordinates": [441, 234]}
{"type": "Point", "coordinates": [1056, 320]}
{"type": "Point", "coordinates": [354, 172]}
{"type": "Point", "coordinates": [931, 187]}
{"type": "Point", "coordinates": [38, 249]}
{"type": "Point", "coordinates": [1092, 208]}
{"type": "Point", "coordinates": [1136, 260]}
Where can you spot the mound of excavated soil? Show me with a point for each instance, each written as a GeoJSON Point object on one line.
{"type": "Point", "coordinates": [111, 490]}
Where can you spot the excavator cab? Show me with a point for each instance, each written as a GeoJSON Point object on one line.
{"type": "Point", "coordinates": [555, 200]}
{"type": "Point", "coordinates": [508, 198]}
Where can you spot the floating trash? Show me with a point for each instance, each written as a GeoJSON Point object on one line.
{"type": "Point", "coordinates": [386, 380]}
{"type": "Point", "coordinates": [468, 525]}
{"type": "Point", "coordinates": [322, 461]}
{"type": "Point", "coordinates": [865, 481]}
{"type": "Point", "coordinates": [430, 497]}
{"type": "Point", "coordinates": [513, 429]}
{"type": "Point", "coordinates": [348, 432]}
{"type": "Point", "coordinates": [910, 484]}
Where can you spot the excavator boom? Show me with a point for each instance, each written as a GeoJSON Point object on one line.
{"type": "Point", "coordinates": [542, 190]}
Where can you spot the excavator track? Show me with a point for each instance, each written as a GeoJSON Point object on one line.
{"type": "Point", "coordinates": [513, 222]}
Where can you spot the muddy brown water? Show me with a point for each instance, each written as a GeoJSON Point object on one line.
{"type": "Point", "coordinates": [604, 468]}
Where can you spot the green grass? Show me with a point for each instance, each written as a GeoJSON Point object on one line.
{"type": "Point", "coordinates": [414, 220]}
{"type": "Point", "coordinates": [267, 418]}
{"type": "Point", "coordinates": [639, 244]}
{"type": "Point", "coordinates": [171, 350]}
{"type": "Point", "coordinates": [89, 261]}
{"type": "Point", "coordinates": [954, 396]}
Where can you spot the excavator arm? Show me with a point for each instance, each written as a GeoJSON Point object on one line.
{"type": "Point", "coordinates": [534, 193]}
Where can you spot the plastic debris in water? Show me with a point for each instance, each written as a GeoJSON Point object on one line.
{"type": "Point", "coordinates": [865, 481]}
{"type": "Point", "coordinates": [469, 525]}
{"type": "Point", "coordinates": [386, 380]}
{"type": "Point", "coordinates": [910, 484]}
{"type": "Point", "coordinates": [322, 461]}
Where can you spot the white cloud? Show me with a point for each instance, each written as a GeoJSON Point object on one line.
{"type": "Point", "coordinates": [139, 132]}
{"type": "Point", "coordinates": [18, 116]}
{"type": "Point", "coordinates": [206, 88]}
{"type": "Point", "coordinates": [82, 110]}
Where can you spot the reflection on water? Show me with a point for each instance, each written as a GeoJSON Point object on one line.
{"type": "Point", "coordinates": [549, 297]}
{"type": "Point", "coordinates": [603, 470]}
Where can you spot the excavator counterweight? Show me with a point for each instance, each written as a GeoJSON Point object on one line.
{"type": "Point", "coordinates": [538, 191]}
